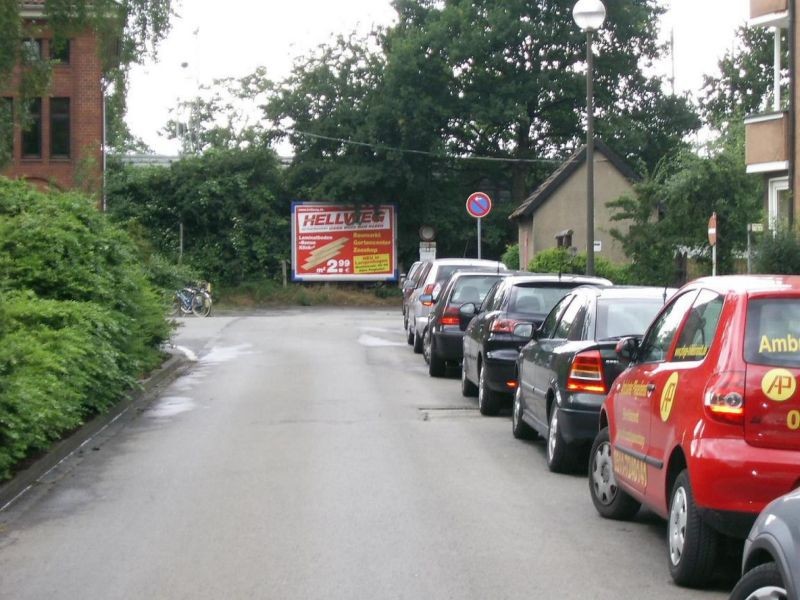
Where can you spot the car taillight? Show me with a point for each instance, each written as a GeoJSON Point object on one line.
{"type": "Point", "coordinates": [450, 316]}
{"type": "Point", "coordinates": [586, 373]}
{"type": "Point", "coordinates": [724, 397]}
{"type": "Point", "coordinates": [504, 326]}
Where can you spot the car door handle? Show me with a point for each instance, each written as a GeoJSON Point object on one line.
{"type": "Point", "coordinates": [651, 387]}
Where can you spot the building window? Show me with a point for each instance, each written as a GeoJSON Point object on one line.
{"type": "Point", "coordinates": [564, 239]}
{"type": "Point", "coordinates": [6, 126]}
{"type": "Point", "coordinates": [59, 51]}
{"type": "Point", "coordinates": [32, 131]}
{"type": "Point", "coordinates": [31, 50]}
{"type": "Point", "coordinates": [59, 128]}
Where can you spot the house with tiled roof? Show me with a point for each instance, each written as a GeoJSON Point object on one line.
{"type": "Point", "coordinates": [61, 143]}
{"type": "Point", "coordinates": [554, 215]}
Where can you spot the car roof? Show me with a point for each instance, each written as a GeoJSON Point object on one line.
{"type": "Point", "coordinates": [629, 291]}
{"type": "Point", "coordinates": [748, 284]}
{"type": "Point", "coordinates": [466, 261]}
{"type": "Point", "coordinates": [460, 274]}
{"type": "Point", "coordinates": [518, 278]}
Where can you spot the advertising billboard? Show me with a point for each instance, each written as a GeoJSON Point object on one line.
{"type": "Point", "coordinates": [333, 242]}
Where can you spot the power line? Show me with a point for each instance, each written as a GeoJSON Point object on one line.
{"type": "Point", "coordinates": [420, 152]}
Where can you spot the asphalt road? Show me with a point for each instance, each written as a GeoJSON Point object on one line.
{"type": "Point", "coordinates": [308, 454]}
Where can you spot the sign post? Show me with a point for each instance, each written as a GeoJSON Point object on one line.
{"type": "Point", "coordinates": [479, 205]}
{"type": "Point", "coordinates": [712, 239]}
{"type": "Point", "coordinates": [751, 229]}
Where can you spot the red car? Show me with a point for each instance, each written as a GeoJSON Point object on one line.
{"type": "Point", "coordinates": [704, 426]}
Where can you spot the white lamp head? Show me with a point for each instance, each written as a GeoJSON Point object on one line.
{"type": "Point", "coordinates": [589, 14]}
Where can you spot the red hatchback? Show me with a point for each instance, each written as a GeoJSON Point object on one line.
{"type": "Point", "coordinates": [704, 426]}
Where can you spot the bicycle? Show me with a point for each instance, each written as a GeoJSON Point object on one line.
{"type": "Point", "coordinates": [194, 300]}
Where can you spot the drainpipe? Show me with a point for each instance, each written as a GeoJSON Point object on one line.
{"type": "Point", "coordinates": [792, 108]}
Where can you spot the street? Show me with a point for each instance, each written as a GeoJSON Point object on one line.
{"type": "Point", "coordinates": [308, 454]}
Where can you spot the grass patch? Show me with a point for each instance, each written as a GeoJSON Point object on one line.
{"type": "Point", "coordinates": [270, 293]}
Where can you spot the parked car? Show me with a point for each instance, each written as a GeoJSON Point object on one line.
{"type": "Point", "coordinates": [771, 562]}
{"type": "Point", "coordinates": [443, 335]}
{"type": "Point", "coordinates": [702, 428]}
{"type": "Point", "coordinates": [564, 373]}
{"type": "Point", "coordinates": [490, 346]}
{"type": "Point", "coordinates": [408, 285]}
{"type": "Point", "coordinates": [433, 276]}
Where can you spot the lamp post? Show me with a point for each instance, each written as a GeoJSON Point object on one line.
{"type": "Point", "coordinates": [589, 16]}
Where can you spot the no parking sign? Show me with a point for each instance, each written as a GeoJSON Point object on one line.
{"type": "Point", "coordinates": [479, 205]}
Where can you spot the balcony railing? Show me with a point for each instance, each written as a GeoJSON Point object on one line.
{"type": "Point", "coordinates": [767, 142]}
{"type": "Point", "coordinates": [769, 13]}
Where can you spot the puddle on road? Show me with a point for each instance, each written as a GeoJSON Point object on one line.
{"type": "Point", "coordinates": [169, 406]}
{"type": "Point", "coordinates": [221, 354]}
{"type": "Point", "coordinates": [448, 412]}
{"type": "Point", "coordinates": [372, 341]}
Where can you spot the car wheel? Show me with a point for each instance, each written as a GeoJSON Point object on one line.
{"type": "Point", "coordinates": [436, 365]}
{"type": "Point", "coordinates": [426, 346]}
{"type": "Point", "coordinates": [468, 389]}
{"type": "Point", "coordinates": [761, 583]}
{"type": "Point", "coordinates": [417, 344]}
{"type": "Point", "coordinates": [519, 428]}
{"type": "Point", "coordinates": [559, 457]}
{"type": "Point", "coordinates": [692, 543]}
{"type": "Point", "coordinates": [410, 335]}
{"type": "Point", "coordinates": [609, 500]}
{"type": "Point", "coordinates": [488, 404]}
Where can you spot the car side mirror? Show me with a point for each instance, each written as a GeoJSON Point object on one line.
{"type": "Point", "coordinates": [524, 330]}
{"type": "Point", "coordinates": [628, 348]}
{"type": "Point", "coordinates": [465, 314]}
{"type": "Point", "coordinates": [426, 299]}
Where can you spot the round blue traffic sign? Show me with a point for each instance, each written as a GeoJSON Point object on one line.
{"type": "Point", "coordinates": [479, 205]}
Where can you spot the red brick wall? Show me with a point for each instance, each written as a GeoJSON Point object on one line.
{"type": "Point", "coordinates": [81, 81]}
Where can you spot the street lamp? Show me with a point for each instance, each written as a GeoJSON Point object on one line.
{"type": "Point", "coordinates": [589, 15]}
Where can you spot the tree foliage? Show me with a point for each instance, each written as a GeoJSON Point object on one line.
{"type": "Point", "coordinates": [231, 204]}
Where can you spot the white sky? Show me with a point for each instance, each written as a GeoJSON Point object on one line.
{"type": "Point", "coordinates": [234, 37]}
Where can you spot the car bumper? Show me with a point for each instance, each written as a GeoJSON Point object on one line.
{"type": "Point", "coordinates": [449, 345]}
{"type": "Point", "coordinates": [501, 370]}
{"type": "Point", "coordinates": [733, 481]}
{"type": "Point", "coordinates": [579, 417]}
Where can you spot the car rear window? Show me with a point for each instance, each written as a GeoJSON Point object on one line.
{"type": "Point", "coordinates": [772, 335]}
{"type": "Point", "coordinates": [538, 299]}
{"type": "Point", "coordinates": [619, 317]}
{"type": "Point", "coordinates": [445, 271]}
{"type": "Point", "coordinates": [472, 289]}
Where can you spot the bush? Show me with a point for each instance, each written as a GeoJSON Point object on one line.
{"type": "Point", "coordinates": [79, 320]}
{"type": "Point", "coordinates": [559, 260]}
{"type": "Point", "coordinates": [779, 255]}
{"type": "Point", "coordinates": [510, 257]}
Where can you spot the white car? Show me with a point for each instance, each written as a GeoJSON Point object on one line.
{"type": "Point", "coordinates": [435, 274]}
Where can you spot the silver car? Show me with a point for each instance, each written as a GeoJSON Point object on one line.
{"type": "Point", "coordinates": [771, 563]}
{"type": "Point", "coordinates": [435, 275]}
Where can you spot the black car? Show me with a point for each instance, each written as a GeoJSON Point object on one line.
{"type": "Point", "coordinates": [442, 338]}
{"type": "Point", "coordinates": [490, 345]}
{"type": "Point", "coordinates": [565, 372]}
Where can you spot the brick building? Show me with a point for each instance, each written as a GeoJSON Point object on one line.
{"type": "Point", "coordinates": [62, 144]}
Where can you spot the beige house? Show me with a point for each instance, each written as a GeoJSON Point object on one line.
{"type": "Point", "coordinates": [772, 143]}
{"type": "Point", "coordinates": [555, 214]}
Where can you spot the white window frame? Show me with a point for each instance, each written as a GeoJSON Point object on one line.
{"type": "Point", "coordinates": [775, 187]}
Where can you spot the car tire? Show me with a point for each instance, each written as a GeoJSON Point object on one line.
{"type": "Point", "coordinates": [468, 389]}
{"type": "Point", "coordinates": [764, 581]}
{"type": "Point", "coordinates": [519, 428]}
{"type": "Point", "coordinates": [692, 543]}
{"type": "Point", "coordinates": [608, 499]}
{"type": "Point", "coordinates": [436, 364]}
{"type": "Point", "coordinates": [417, 344]}
{"type": "Point", "coordinates": [488, 403]}
{"type": "Point", "coordinates": [410, 335]}
{"type": "Point", "coordinates": [558, 454]}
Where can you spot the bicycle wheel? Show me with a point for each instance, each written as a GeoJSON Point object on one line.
{"type": "Point", "coordinates": [201, 304]}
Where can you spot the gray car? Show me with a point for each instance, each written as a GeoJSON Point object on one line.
{"type": "Point", "coordinates": [771, 563]}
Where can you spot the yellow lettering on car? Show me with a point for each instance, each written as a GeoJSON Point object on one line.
{"type": "Point", "coordinates": [778, 385]}
{"type": "Point", "coordinates": [793, 420]}
{"type": "Point", "coordinates": [637, 389]}
{"type": "Point", "coordinates": [787, 343]}
{"type": "Point", "coordinates": [695, 351]}
{"type": "Point", "coordinates": [668, 396]}
{"type": "Point", "coordinates": [630, 468]}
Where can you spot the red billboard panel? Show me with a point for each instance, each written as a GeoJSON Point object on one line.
{"type": "Point", "coordinates": [332, 242]}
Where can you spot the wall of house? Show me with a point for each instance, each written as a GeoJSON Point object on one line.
{"type": "Point", "coordinates": [794, 185]}
{"type": "Point", "coordinates": [566, 209]}
{"type": "Point", "coordinates": [81, 81]}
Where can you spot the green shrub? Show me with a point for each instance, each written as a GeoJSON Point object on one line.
{"type": "Point", "coordinates": [79, 320]}
{"type": "Point", "coordinates": [778, 255]}
{"type": "Point", "coordinates": [510, 257]}
{"type": "Point", "coordinates": [559, 260]}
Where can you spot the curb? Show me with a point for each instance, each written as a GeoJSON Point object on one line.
{"type": "Point", "coordinates": [23, 480]}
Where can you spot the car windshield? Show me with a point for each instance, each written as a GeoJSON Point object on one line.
{"type": "Point", "coordinates": [772, 334]}
{"type": "Point", "coordinates": [445, 271]}
{"type": "Point", "coordinates": [472, 289]}
{"type": "Point", "coordinates": [618, 317]}
{"type": "Point", "coordinates": [536, 299]}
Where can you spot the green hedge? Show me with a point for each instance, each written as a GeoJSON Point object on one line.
{"type": "Point", "coordinates": [559, 260]}
{"type": "Point", "coordinates": [80, 321]}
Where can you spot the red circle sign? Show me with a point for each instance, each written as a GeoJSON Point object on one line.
{"type": "Point", "coordinates": [479, 205]}
{"type": "Point", "coordinates": [712, 229]}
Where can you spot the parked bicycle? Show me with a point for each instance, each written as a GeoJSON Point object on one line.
{"type": "Point", "coordinates": [193, 299]}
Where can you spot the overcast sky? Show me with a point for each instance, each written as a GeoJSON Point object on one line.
{"type": "Point", "coordinates": [220, 39]}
